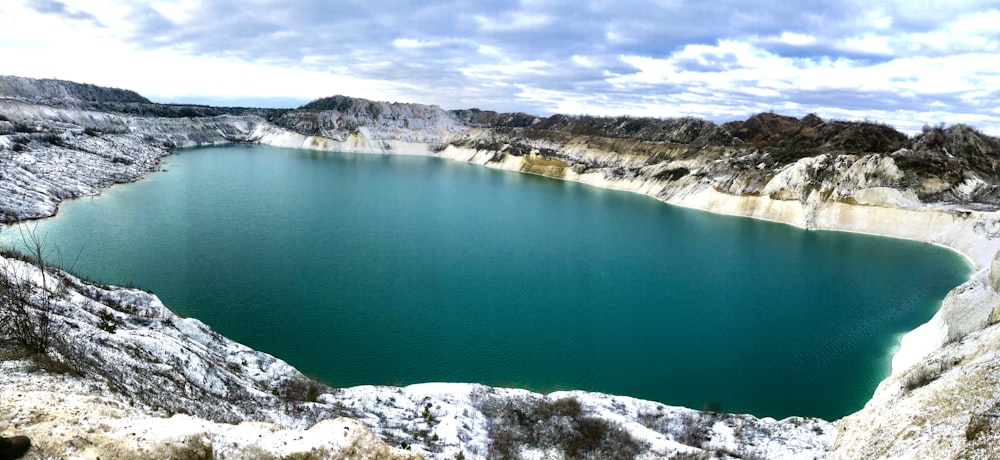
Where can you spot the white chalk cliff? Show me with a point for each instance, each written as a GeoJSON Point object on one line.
{"type": "Point", "coordinates": [140, 381]}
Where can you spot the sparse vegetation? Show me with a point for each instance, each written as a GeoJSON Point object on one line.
{"type": "Point", "coordinates": [790, 138]}
{"type": "Point", "coordinates": [695, 428]}
{"type": "Point", "coordinates": [301, 389]}
{"type": "Point", "coordinates": [981, 434]}
{"type": "Point", "coordinates": [108, 322]}
{"type": "Point", "coordinates": [927, 372]}
{"type": "Point", "coordinates": [979, 424]}
{"type": "Point", "coordinates": [561, 424]}
{"type": "Point", "coordinates": [35, 244]}
{"type": "Point", "coordinates": [50, 364]}
{"type": "Point", "coordinates": [192, 448]}
{"type": "Point", "coordinates": [29, 327]}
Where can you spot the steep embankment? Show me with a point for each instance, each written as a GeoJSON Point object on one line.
{"type": "Point", "coordinates": [937, 187]}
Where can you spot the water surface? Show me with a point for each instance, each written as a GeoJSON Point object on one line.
{"type": "Point", "coordinates": [361, 269]}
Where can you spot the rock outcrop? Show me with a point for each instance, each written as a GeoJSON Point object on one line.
{"type": "Point", "coordinates": [939, 186]}
{"type": "Point", "coordinates": [64, 93]}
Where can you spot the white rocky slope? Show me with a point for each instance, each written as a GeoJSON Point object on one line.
{"type": "Point", "coordinates": [68, 416]}
{"type": "Point", "coordinates": [50, 154]}
{"type": "Point", "coordinates": [845, 192]}
{"type": "Point", "coordinates": [942, 400]}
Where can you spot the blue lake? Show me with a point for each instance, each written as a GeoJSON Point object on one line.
{"type": "Point", "coordinates": [362, 269]}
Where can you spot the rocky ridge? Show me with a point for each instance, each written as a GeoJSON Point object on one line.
{"type": "Point", "coordinates": [939, 186]}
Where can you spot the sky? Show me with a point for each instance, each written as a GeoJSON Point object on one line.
{"type": "Point", "coordinates": [908, 63]}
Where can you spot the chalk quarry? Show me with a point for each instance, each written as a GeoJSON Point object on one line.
{"type": "Point", "coordinates": [123, 377]}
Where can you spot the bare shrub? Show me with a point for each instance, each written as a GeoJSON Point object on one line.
{"type": "Point", "coordinates": [694, 429]}
{"type": "Point", "coordinates": [979, 425]}
{"type": "Point", "coordinates": [516, 423]}
{"type": "Point", "coordinates": [54, 365]}
{"type": "Point", "coordinates": [108, 323]}
{"type": "Point", "coordinates": [301, 389]}
{"type": "Point", "coordinates": [35, 244]}
{"type": "Point", "coordinates": [925, 373]}
{"type": "Point", "coordinates": [919, 377]}
{"type": "Point", "coordinates": [192, 448]}
{"type": "Point", "coordinates": [29, 327]}
{"type": "Point", "coordinates": [981, 435]}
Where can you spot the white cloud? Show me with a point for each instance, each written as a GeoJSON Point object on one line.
{"type": "Point", "coordinates": [87, 53]}
{"type": "Point", "coordinates": [760, 92]}
{"type": "Point", "coordinates": [746, 63]}
{"type": "Point", "coordinates": [506, 69]}
{"type": "Point", "coordinates": [582, 61]}
{"type": "Point", "coordinates": [868, 43]}
{"type": "Point", "coordinates": [111, 13]}
{"type": "Point", "coordinates": [923, 75]}
{"type": "Point", "coordinates": [976, 32]}
{"type": "Point", "coordinates": [796, 39]}
{"type": "Point", "coordinates": [519, 20]}
{"type": "Point", "coordinates": [878, 19]}
{"type": "Point", "coordinates": [887, 59]}
{"type": "Point", "coordinates": [178, 12]}
{"type": "Point", "coordinates": [489, 50]}
{"type": "Point", "coordinates": [978, 23]}
{"type": "Point", "coordinates": [616, 36]}
{"type": "Point", "coordinates": [409, 43]}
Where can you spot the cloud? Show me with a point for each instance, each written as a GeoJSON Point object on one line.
{"type": "Point", "coordinates": [720, 60]}
{"type": "Point", "coordinates": [796, 39]}
{"type": "Point", "coordinates": [869, 43]}
{"type": "Point", "coordinates": [409, 43]}
{"type": "Point", "coordinates": [58, 8]}
{"type": "Point", "coordinates": [513, 21]}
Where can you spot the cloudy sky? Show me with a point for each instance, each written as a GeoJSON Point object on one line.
{"type": "Point", "coordinates": [904, 62]}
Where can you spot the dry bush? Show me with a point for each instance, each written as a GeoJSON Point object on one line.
{"type": "Point", "coordinates": [516, 423]}
{"type": "Point", "coordinates": [301, 389]}
{"type": "Point", "coordinates": [30, 328]}
{"type": "Point", "coordinates": [925, 373]}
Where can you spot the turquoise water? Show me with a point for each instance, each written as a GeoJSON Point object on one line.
{"type": "Point", "coordinates": [395, 270]}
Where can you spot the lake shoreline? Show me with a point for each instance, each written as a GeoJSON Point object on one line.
{"type": "Point", "coordinates": [913, 345]}
{"type": "Point", "coordinates": [188, 190]}
{"type": "Point", "coordinates": [119, 147]}
{"type": "Point", "coordinates": [947, 227]}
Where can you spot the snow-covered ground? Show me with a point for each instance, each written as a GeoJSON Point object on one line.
{"type": "Point", "coordinates": [68, 416]}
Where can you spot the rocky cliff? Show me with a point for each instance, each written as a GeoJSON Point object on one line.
{"type": "Point", "coordinates": [938, 186]}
